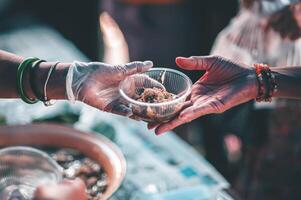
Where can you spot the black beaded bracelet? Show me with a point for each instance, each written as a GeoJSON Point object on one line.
{"type": "Point", "coordinates": [267, 83]}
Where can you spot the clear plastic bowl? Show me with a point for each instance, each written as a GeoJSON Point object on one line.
{"type": "Point", "coordinates": [23, 169]}
{"type": "Point", "coordinates": [175, 82]}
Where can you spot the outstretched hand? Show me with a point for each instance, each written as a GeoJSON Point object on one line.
{"type": "Point", "coordinates": [224, 85]}
{"type": "Point", "coordinates": [96, 84]}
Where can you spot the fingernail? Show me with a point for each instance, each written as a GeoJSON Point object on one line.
{"type": "Point", "coordinates": [160, 131]}
{"type": "Point", "coordinates": [148, 63]}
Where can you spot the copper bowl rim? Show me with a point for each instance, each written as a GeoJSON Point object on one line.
{"type": "Point", "coordinates": [47, 134]}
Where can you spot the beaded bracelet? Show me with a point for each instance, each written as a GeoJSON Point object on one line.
{"type": "Point", "coordinates": [267, 85]}
{"type": "Point", "coordinates": [20, 76]}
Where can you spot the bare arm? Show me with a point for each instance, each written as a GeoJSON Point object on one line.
{"type": "Point", "coordinates": [289, 82]}
{"type": "Point", "coordinates": [227, 84]}
{"type": "Point", "coordinates": [8, 70]}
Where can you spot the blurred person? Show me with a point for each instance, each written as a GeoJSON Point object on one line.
{"type": "Point", "coordinates": [263, 32]}
{"type": "Point", "coordinates": [252, 36]}
{"type": "Point", "coordinates": [162, 29]}
{"type": "Point", "coordinates": [275, 173]}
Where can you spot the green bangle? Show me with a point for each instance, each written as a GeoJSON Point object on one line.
{"type": "Point", "coordinates": [20, 75]}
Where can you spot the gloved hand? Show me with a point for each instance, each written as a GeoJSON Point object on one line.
{"type": "Point", "coordinates": [224, 85]}
{"type": "Point", "coordinates": [96, 84]}
{"type": "Point", "coordinates": [66, 190]}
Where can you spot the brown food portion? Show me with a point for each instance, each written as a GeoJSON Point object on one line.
{"type": "Point", "coordinates": [77, 165]}
{"type": "Point", "coordinates": [154, 95]}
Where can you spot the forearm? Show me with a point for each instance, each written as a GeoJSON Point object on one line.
{"type": "Point", "coordinates": [8, 80]}
{"type": "Point", "coordinates": [56, 86]}
{"type": "Point", "coordinates": [8, 69]}
{"type": "Point", "coordinates": [288, 80]}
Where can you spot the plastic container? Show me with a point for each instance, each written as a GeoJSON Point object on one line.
{"type": "Point", "coordinates": [23, 169]}
{"type": "Point", "coordinates": [175, 82]}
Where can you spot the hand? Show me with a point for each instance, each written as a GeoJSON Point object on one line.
{"type": "Point", "coordinates": [224, 85]}
{"type": "Point", "coordinates": [67, 190]}
{"type": "Point", "coordinates": [96, 84]}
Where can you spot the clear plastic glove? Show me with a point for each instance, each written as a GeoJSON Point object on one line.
{"type": "Point", "coordinates": [224, 85]}
{"type": "Point", "coordinates": [96, 84]}
{"type": "Point", "coordinates": [66, 190]}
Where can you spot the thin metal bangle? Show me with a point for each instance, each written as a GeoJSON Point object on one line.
{"type": "Point", "coordinates": [49, 102]}
{"type": "Point", "coordinates": [32, 81]}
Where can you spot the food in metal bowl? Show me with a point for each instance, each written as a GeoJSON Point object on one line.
{"type": "Point", "coordinates": [77, 165]}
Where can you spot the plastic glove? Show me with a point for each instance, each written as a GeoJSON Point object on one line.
{"type": "Point", "coordinates": [96, 84]}
{"type": "Point", "coordinates": [66, 190]}
{"type": "Point", "coordinates": [224, 85]}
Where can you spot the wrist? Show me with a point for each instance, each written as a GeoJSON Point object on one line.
{"type": "Point", "coordinates": [253, 85]}
{"type": "Point", "coordinates": [56, 84]}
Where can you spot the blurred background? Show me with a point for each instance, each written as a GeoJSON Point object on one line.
{"type": "Point", "coordinates": [256, 147]}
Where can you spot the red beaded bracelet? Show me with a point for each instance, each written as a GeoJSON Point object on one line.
{"type": "Point", "coordinates": [267, 85]}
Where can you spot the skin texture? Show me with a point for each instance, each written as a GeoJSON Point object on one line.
{"type": "Point", "coordinates": [66, 190]}
{"type": "Point", "coordinates": [226, 84]}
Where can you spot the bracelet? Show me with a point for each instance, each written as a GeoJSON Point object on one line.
{"type": "Point", "coordinates": [32, 81]}
{"type": "Point", "coordinates": [20, 75]}
{"type": "Point", "coordinates": [46, 101]}
{"type": "Point", "coordinates": [267, 85]}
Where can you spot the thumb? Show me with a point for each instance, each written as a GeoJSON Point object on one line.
{"type": "Point", "coordinates": [137, 67]}
{"type": "Point", "coordinates": [196, 62]}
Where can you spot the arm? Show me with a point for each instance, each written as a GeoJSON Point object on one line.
{"type": "Point", "coordinates": [227, 84]}
{"type": "Point", "coordinates": [94, 83]}
{"type": "Point", "coordinates": [289, 82]}
{"type": "Point", "coordinates": [8, 69]}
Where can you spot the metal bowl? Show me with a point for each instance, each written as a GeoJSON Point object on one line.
{"type": "Point", "coordinates": [93, 146]}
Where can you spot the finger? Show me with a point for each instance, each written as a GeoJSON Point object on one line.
{"type": "Point", "coordinates": [137, 67]}
{"type": "Point", "coordinates": [142, 80]}
{"type": "Point", "coordinates": [152, 125]}
{"type": "Point", "coordinates": [116, 107]}
{"type": "Point", "coordinates": [190, 114]}
{"type": "Point", "coordinates": [134, 83]}
{"type": "Point", "coordinates": [173, 123]}
{"type": "Point", "coordinates": [169, 126]}
{"type": "Point", "coordinates": [196, 62]}
{"type": "Point", "coordinates": [196, 111]}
